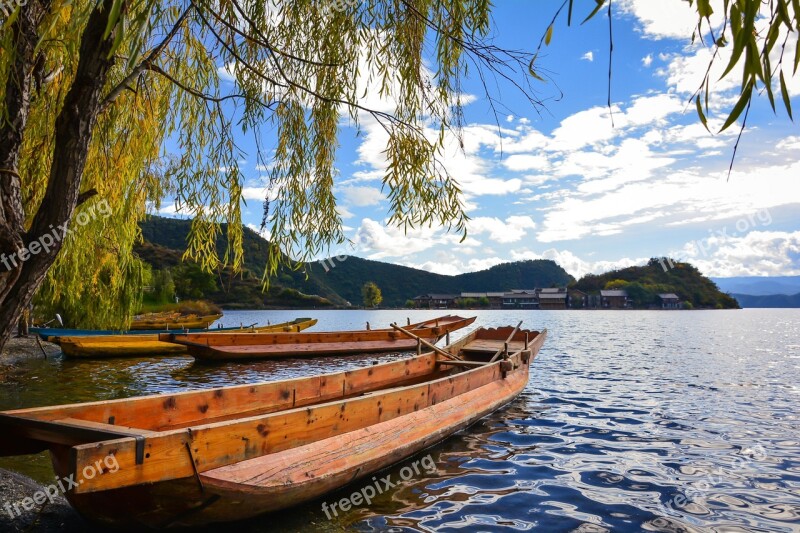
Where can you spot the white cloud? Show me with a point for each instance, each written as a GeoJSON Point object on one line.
{"type": "Point", "coordinates": [573, 264]}
{"type": "Point", "coordinates": [520, 162]}
{"type": "Point", "coordinates": [451, 265]}
{"type": "Point", "coordinates": [758, 253]}
{"type": "Point", "coordinates": [647, 60]}
{"type": "Point", "coordinates": [677, 197]}
{"type": "Point", "coordinates": [588, 56]}
{"type": "Point", "coordinates": [666, 19]}
{"type": "Point", "coordinates": [511, 230]}
{"type": "Point", "coordinates": [265, 233]}
{"type": "Point", "coordinates": [379, 241]}
{"type": "Point", "coordinates": [362, 196]}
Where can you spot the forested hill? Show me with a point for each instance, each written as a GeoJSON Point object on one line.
{"type": "Point", "coordinates": [399, 283]}
{"type": "Point", "coordinates": [165, 242]}
{"type": "Point", "coordinates": [644, 283]}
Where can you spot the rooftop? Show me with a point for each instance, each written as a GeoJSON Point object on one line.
{"type": "Point", "coordinates": [614, 293]}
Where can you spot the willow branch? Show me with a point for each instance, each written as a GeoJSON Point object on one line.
{"type": "Point", "coordinates": [146, 63]}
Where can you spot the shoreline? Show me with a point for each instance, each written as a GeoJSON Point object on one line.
{"type": "Point", "coordinates": [19, 512]}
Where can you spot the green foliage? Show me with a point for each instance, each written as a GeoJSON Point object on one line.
{"type": "Point", "coordinates": [164, 246]}
{"type": "Point", "coordinates": [163, 287]}
{"type": "Point", "coordinates": [410, 304]}
{"type": "Point", "coordinates": [299, 70]}
{"type": "Point", "coordinates": [467, 303]}
{"type": "Point", "coordinates": [371, 295]}
{"type": "Point", "coordinates": [645, 283]}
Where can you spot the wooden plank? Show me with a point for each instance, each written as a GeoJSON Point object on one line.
{"type": "Point", "coordinates": [66, 432]}
{"type": "Point", "coordinates": [162, 411]}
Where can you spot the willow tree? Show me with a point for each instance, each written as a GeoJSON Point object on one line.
{"type": "Point", "coordinates": [93, 91]}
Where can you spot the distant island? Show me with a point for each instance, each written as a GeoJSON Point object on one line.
{"type": "Point", "coordinates": [338, 282]}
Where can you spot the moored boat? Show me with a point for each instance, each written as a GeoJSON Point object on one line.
{"type": "Point", "coordinates": [51, 334]}
{"type": "Point", "coordinates": [243, 346]}
{"type": "Point", "coordinates": [138, 345]}
{"type": "Point", "coordinates": [217, 455]}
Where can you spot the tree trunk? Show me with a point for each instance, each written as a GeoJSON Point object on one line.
{"type": "Point", "coordinates": [73, 134]}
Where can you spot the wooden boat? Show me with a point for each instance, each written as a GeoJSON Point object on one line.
{"type": "Point", "coordinates": [52, 334]}
{"type": "Point", "coordinates": [243, 346]}
{"type": "Point", "coordinates": [139, 345]}
{"type": "Point", "coordinates": [217, 455]}
{"type": "Point", "coordinates": [179, 322]}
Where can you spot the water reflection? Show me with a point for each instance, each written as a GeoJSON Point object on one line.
{"type": "Point", "coordinates": [632, 421]}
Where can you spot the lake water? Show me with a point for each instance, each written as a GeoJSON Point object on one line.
{"type": "Point", "coordinates": [632, 420]}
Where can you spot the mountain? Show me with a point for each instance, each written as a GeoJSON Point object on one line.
{"type": "Point", "coordinates": [163, 248]}
{"type": "Point", "coordinates": [770, 300]}
{"type": "Point", "coordinates": [346, 275]}
{"type": "Point", "coordinates": [335, 281]}
{"type": "Point", "coordinates": [644, 283]}
{"type": "Point", "coordinates": [759, 285]}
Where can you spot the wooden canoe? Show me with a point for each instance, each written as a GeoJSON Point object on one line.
{"type": "Point", "coordinates": [244, 346]}
{"type": "Point", "coordinates": [53, 334]}
{"type": "Point", "coordinates": [218, 455]}
{"type": "Point", "coordinates": [142, 345]}
{"type": "Point", "coordinates": [190, 322]}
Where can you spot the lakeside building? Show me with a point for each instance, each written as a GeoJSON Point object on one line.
{"type": "Point", "coordinates": [554, 298]}
{"type": "Point", "coordinates": [577, 299]}
{"type": "Point", "coordinates": [521, 299]}
{"type": "Point", "coordinates": [670, 301]}
{"type": "Point", "coordinates": [615, 299]}
{"type": "Point", "coordinates": [550, 298]}
{"type": "Point", "coordinates": [435, 301]}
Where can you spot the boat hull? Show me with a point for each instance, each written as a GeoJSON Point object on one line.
{"type": "Point", "coordinates": [216, 348]}
{"type": "Point", "coordinates": [147, 345]}
{"type": "Point", "coordinates": [294, 476]}
{"type": "Point", "coordinates": [230, 453]}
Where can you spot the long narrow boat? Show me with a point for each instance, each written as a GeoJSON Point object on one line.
{"type": "Point", "coordinates": [217, 455]}
{"type": "Point", "coordinates": [104, 346]}
{"type": "Point", "coordinates": [243, 346]}
{"type": "Point", "coordinates": [50, 334]}
{"type": "Point", "coordinates": [179, 322]}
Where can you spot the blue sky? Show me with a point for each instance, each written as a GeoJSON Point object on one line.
{"type": "Point", "coordinates": [561, 182]}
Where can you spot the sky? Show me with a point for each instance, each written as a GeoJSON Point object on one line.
{"type": "Point", "coordinates": [566, 182]}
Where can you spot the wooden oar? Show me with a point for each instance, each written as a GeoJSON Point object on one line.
{"type": "Point", "coordinates": [505, 344]}
{"type": "Point", "coordinates": [426, 343]}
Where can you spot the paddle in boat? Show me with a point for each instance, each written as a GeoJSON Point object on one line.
{"type": "Point", "coordinates": [243, 346]}
{"type": "Point", "coordinates": [147, 344]}
{"type": "Point", "coordinates": [218, 455]}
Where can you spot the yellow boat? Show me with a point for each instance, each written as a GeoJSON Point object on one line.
{"type": "Point", "coordinates": [180, 322]}
{"type": "Point", "coordinates": [142, 345]}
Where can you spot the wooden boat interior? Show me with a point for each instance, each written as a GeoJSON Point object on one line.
{"type": "Point", "coordinates": [184, 409]}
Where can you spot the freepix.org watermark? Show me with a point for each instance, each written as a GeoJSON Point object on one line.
{"type": "Point", "coordinates": [378, 486]}
{"type": "Point", "coordinates": [713, 479]}
{"type": "Point", "coordinates": [703, 247]}
{"type": "Point", "coordinates": [107, 465]}
{"type": "Point", "coordinates": [57, 234]}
